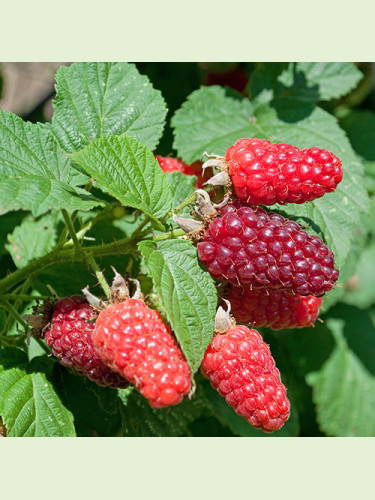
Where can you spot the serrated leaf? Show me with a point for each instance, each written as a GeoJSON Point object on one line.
{"type": "Point", "coordinates": [105, 98]}
{"type": "Point", "coordinates": [344, 393]}
{"type": "Point", "coordinates": [141, 420]}
{"type": "Point", "coordinates": [32, 239]}
{"type": "Point", "coordinates": [211, 120]}
{"type": "Point", "coordinates": [35, 174]}
{"type": "Point", "coordinates": [29, 405]}
{"type": "Point", "coordinates": [39, 194]}
{"type": "Point", "coordinates": [127, 170]}
{"type": "Point", "coordinates": [187, 294]}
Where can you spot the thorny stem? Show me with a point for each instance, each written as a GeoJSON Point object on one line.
{"type": "Point", "coordinates": [98, 273]}
{"type": "Point", "coordinates": [124, 246]}
{"type": "Point", "coordinates": [69, 225]}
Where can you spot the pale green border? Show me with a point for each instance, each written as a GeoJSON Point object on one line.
{"type": "Point", "coordinates": [167, 30]}
{"type": "Point", "coordinates": [192, 468]}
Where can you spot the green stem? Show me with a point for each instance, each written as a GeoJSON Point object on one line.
{"type": "Point", "coordinates": [69, 225]}
{"type": "Point", "coordinates": [16, 315]}
{"type": "Point", "coordinates": [172, 234]}
{"type": "Point", "coordinates": [98, 273]}
{"type": "Point", "coordinates": [57, 256]}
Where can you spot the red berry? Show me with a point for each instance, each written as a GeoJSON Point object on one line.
{"type": "Point", "coordinates": [263, 173]}
{"type": "Point", "coordinates": [70, 338]}
{"type": "Point", "coordinates": [274, 309]}
{"type": "Point", "coordinates": [240, 366]}
{"type": "Point", "coordinates": [248, 246]}
{"type": "Point", "coordinates": [169, 164]}
{"type": "Point", "coordinates": [134, 341]}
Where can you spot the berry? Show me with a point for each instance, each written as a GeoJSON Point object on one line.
{"type": "Point", "coordinates": [263, 173]}
{"type": "Point", "coordinates": [133, 340]}
{"type": "Point", "coordinates": [248, 246]}
{"type": "Point", "coordinates": [274, 309]}
{"type": "Point", "coordinates": [169, 164]}
{"type": "Point", "coordinates": [240, 366]}
{"type": "Point", "coordinates": [70, 338]}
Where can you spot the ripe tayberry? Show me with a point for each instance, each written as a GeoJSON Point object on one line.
{"type": "Point", "coordinates": [134, 341]}
{"type": "Point", "coordinates": [70, 338]}
{"type": "Point", "coordinates": [250, 247]}
{"type": "Point", "coordinates": [274, 309]}
{"type": "Point", "coordinates": [263, 173]}
{"type": "Point", "coordinates": [240, 366]}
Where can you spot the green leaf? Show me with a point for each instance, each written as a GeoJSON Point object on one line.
{"type": "Point", "coordinates": [96, 99]}
{"type": "Point", "coordinates": [7, 223]}
{"type": "Point", "coordinates": [304, 81]}
{"type": "Point", "coordinates": [127, 170]}
{"type": "Point", "coordinates": [211, 120]}
{"type": "Point", "coordinates": [361, 291]}
{"type": "Point", "coordinates": [29, 405]}
{"type": "Point", "coordinates": [330, 79]}
{"type": "Point", "coordinates": [360, 127]}
{"type": "Point", "coordinates": [32, 239]}
{"type": "Point", "coordinates": [141, 420]}
{"type": "Point", "coordinates": [344, 392]}
{"type": "Point", "coordinates": [35, 174]}
{"type": "Point", "coordinates": [187, 294]}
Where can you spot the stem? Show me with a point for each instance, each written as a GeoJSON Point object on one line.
{"type": "Point", "coordinates": [57, 256]}
{"type": "Point", "coordinates": [69, 225]}
{"type": "Point", "coordinates": [98, 273]}
{"type": "Point", "coordinates": [16, 315]}
{"type": "Point", "coordinates": [172, 234]}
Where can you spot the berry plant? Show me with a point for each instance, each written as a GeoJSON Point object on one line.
{"type": "Point", "coordinates": [187, 250]}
